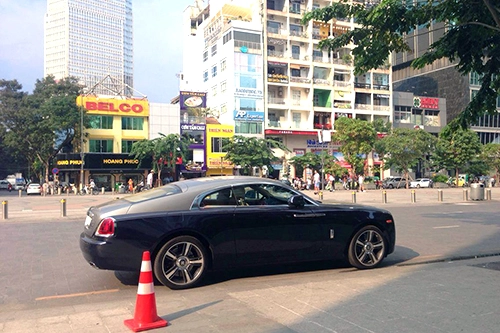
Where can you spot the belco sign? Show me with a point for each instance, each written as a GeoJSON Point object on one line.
{"type": "Point", "coordinates": [129, 107]}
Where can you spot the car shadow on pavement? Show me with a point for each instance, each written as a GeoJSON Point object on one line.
{"type": "Point", "coordinates": [400, 255]}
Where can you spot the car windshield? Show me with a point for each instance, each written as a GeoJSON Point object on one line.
{"type": "Point", "coordinates": [158, 192]}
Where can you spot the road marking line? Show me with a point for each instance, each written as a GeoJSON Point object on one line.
{"type": "Point", "coordinates": [77, 294]}
{"type": "Point", "coordinates": [447, 227]}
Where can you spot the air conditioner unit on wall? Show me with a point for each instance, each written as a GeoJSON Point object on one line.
{"type": "Point", "coordinates": [271, 17]}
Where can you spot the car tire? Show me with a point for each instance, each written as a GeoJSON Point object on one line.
{"type": "Point", "coordinates": [390, 186]}
{"type": "Point", "coordinates": [367, 248]}
{"type": "Point", "coordinates": [181, 263]}
{"type": "Point", "coordinates": [418, 185]}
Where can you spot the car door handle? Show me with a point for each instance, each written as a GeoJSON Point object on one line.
{"type": "Point", "coordinates": [309, 215]}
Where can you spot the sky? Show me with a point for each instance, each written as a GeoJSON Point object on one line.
{"type": "Point", "coordinates": [157, 44]}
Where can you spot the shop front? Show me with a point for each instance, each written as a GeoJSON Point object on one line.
{"type": "Point", "coordinates": [108, 170]}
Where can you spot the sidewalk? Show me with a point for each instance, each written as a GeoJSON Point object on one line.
{"type": "Point", "coordinates": [37, 208]}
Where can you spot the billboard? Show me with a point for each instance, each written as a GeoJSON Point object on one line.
{"type": "Point", "coordinates": [192, 107]}
{"type": "Point", "coordinates": [128, 107]}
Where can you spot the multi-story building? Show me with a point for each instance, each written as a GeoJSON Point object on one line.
{"type": "Point", "coordinates": [442, 80]}
{"type": "Point", "coordinates": [91, 40]}
{"type": "Point", "coordinates": [115, 125]}
{"type": "Point", "coordinates": [263, 72]}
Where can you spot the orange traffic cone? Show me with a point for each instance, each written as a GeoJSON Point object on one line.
{"type": "Point", "coordinates": [145, 316]}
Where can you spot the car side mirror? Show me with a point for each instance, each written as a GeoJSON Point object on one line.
{"type": "Point", "coordinates": [296, 201]}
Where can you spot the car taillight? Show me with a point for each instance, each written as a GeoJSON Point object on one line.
{"type": "Point", "coordinates": [106, 227]}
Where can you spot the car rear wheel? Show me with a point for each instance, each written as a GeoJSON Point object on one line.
{"type": "Point", "coordinates": [418, 185]}
{"type": "Point", "coordinates": [181, 263]}
{"type": "Point", "coordinates": [367, 248]}
{"type": "Point", "coordinates": [390, 186]}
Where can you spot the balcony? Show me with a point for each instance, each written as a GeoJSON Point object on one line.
{"type": "Point", "coordinates": [276, 100]}
{"type": "Point", "coordinates": [276, 54]}
{"type": "Point", "coordinates": [299, 79]}
{"type": "Point", "coordinates": [273, 123]}
{"type": "Point", "coordinates": [321, 81]}
{"type": "Point", "coordinates": [381, 86]}
{"type": "Point", "coordinates": [277, 78]}
{"type": "Point", "coordinates": [362, 85]}
{"type": "Point", "coordinates": [363, 106]}
{"type": "Point", "coordinates": [323, 126]}
{"type": "Point", "coordinates": [338, 83]}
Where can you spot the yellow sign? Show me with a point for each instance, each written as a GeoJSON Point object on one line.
{"type": "Point", "coordinates": [114, 106]}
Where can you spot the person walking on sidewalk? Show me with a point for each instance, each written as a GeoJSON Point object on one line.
{"type": "Point", "coordinates": [361, 180]}
{"type": "Point", "coordinates": [316, 180]}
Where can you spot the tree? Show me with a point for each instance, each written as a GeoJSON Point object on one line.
{"type": "Point", "coordinates": [491, 154]}
{"type": "Point", "coordinates": [357, 138]}
{"type": "Point", "coordinates": [404, 147]}
{"type": "Point", "coordinates": [470, 37]}
{"type": "Point", "coordinates": [39, 125]}
{"type": "Point", "coordinates": [456, 149]}
{"type": "Point", "coordinates": [249, 152]}
{"type": "Point", "coordinates": [163, 151]}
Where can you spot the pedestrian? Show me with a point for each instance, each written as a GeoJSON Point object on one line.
{"type": "Point", "coordinates": [130, 185]}
{"type": "Point", "coordinates": [316, 180]}
{"type": "Point", "coordinates": [149, 179]}
{"type": "Point", "coordinates": [361, 180]}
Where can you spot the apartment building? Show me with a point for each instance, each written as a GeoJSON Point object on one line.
{"type": "Point", "coordinates": [263, 72]}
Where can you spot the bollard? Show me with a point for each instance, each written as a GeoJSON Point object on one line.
{"type": "Point", "coordinates": [353, 197]}
{"type": "Point", "coordinates": [102, 190]}
{"type": "Point", "coordinates": [466, 195]}
{"type": "Point", "coordinates": [413, 196]}
{"type": "Point", "coordinates": [5, 209]}
{"type": "Point", "coordinates": [384, 196]}
{"type": "Point", "coordinates": [488, 194]}
{"type": "Point", "coordinates": [440, 195]}
{"type": "Point", "coordinates": [320, 194]}
{"type": "Point", "coordinates": [63, 207]}
{"type": "Point", "coordinates": [20, 193]}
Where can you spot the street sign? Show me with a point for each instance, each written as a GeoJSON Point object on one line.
{"type": "Point", "coordinates": [55, 171]}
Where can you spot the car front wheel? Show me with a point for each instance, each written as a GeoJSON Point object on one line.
{"type": "Point", "coordinates": [181, 263]}
{"type": "Point", "coordinates": [367, 248]}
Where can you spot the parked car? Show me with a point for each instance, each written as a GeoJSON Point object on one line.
{"type": "Point", "coordinates": [394, 182]}
{"type": "Point", "coordinates": [34, 188]}
{"type": "Point", "coordinates": [5, 185]}
{"type": "Point", "coordinates": [199, 225]}
{"type": "Point", "coordinates": [421, 182]}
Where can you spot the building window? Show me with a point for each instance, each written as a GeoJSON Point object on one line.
{"type": "Point", "coordinates": [402, 114]}
{"type": "Point", "coordinates": [214, 71]}
{"type": "Point", "coordinates": [223, 108]}
{"type": "Point", "coordinates": [474, 79]}
{"type": "Point", "coordinates": [431, 118]}
{"type": "Point", "coordinates": [205, 56]}
{"type": "Point", "coordinates": [223, 65]}
{"type": "Point", "coordinates": [227, 37]}
{"type": "Point", "coordinates": [244, 127]}
{"type": "Point", "coordinates": [214, 90]}
{"type": "Point", "coordinates": [132, 123]}
{"type": "Point", "coordinates": [248, 104]}
{"type": "Point", "coordinates": [223, 86]}
{"type": "Point", "coordinates": [205, 76]}
{"type": "Point", "coordinates": [127, 145]}
{"type": "Point", "coordinates": [101, 146]}
{"type": "Point", "coordinates": [101, 122]}
{"type": "Point", "coordinates": [218, 145]}
{"type": "Point", "coordinates": [214, 50]}
{"type": "Point", "coordinates": [247, 81]}
{"type": "Point", "coordinates": [296, 119]}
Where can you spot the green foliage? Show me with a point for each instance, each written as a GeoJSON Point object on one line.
{"type": "Point", "coordinates": [405, 147]}
{"type": "Point", "coordinates": [491, 155]}
{"type": "Point", "coordinates": [358, 139]}
{"type": "Point", "coordinates": [440, 178]}
{"type": "Point", "coordinates": [163, 151]}
{"type": "Point", "coordinates": [381, 126]}
{"type": "Point", "coordinates": [470, 39]}
{"type": "Point", "coordinates": [249, 152]}
{"type": "Point", "coordinates": [39, 125]}
{"type": "Point", "coordinates": [457, 149]}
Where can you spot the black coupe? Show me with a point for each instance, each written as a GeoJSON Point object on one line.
{"type": "Point", "coordinates": [219, 223]}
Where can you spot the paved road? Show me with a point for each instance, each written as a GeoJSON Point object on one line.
{"type": "Point", "coordinates": [51, 289]}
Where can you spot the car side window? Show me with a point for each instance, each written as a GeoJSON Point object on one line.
{"type": "Point", "coordinates": [222, 197]}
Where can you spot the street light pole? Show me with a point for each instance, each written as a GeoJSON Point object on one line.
{"type": "Point", "coordinates": [81, 144]}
